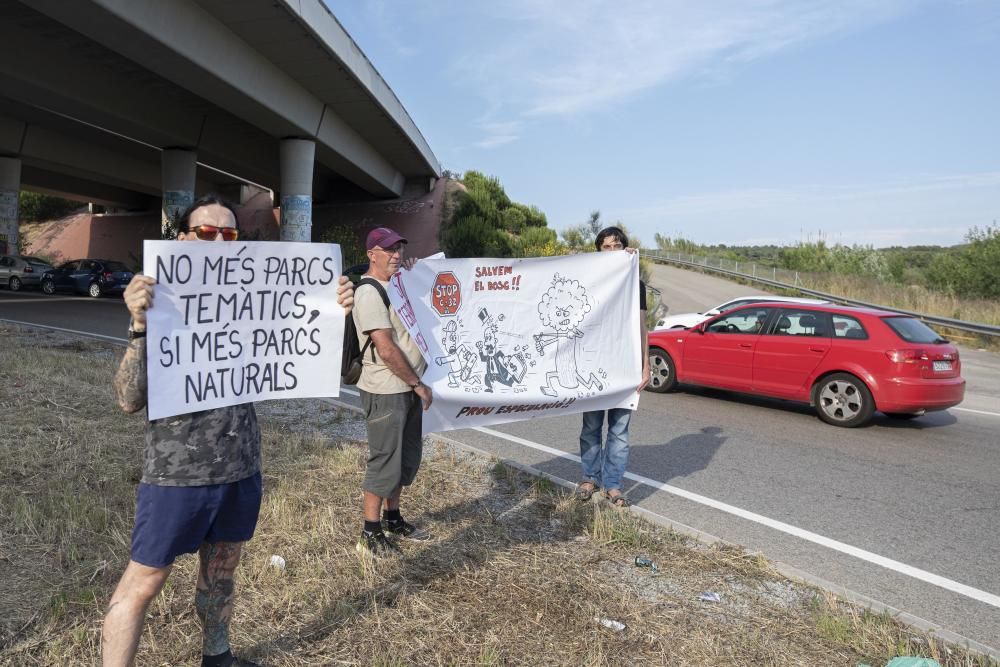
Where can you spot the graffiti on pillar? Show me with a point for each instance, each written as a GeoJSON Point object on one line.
{"type": "Point", "coordinates": [296, 218]}
{"type": "Point", "coordinates": [8, 206]}
{"type": "Point", "coordinates": [8, 221]}
{"type": "Point", "coordinates": [175, 202]}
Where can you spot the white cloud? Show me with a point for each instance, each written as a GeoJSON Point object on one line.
{"type": "Point", "coordinates": [936, 210]}
{"type": "Point", "coordinates": [563, 58]}
{"type": "Point", "coordinates": [498, 134]}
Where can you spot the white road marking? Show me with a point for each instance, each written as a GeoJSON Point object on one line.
{"type": "Point", "coordinates": [72, 331]}
{"type": "Point", "coordinates": [978, 412]}
{"type": "Point", "coordinates": [48, 299]}
{"type": "Point", "coordinates": [795, 531]}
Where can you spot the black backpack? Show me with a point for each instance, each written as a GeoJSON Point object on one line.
{"type": "Point", "coordinates": [350, 363]}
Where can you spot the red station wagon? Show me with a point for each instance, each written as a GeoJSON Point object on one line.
{"type": "Point", "coordinates": [846, 362]}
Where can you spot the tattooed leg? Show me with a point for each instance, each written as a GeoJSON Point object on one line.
{"type": "Point", "coordinates": [214, 597]}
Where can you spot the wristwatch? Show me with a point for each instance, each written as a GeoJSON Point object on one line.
{"type": "Point", "coordinates": [414, 386]}
{"type": "Point", "coordinates": [132, 334]}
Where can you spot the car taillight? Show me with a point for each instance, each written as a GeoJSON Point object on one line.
{"type": "Point", "coordinates": [908, 356]}
{"type": "Point", "coordinates": [107, 275]}
{"type": "Point", "coordinates": [28, 269]}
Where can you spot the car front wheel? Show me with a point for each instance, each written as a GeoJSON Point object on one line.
{"type": "Point", "coordinates": [15, 284]}
{"type": "Point", "coordinates": [662, 376]}
{"type": "Point", "coordinates": [94, 290]}
{"type": "Point", "coordinates": [843, 400]}
{"type": "Point", "coordinates": [48, 287]}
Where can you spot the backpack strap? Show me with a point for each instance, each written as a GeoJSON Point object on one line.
{"type": "Point", "coordinates": [368, 280]}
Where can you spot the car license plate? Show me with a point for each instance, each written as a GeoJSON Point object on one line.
{"type": "Point", "coordinates": [942, 365]}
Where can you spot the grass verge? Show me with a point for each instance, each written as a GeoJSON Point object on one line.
{"type": "Point", "coordinates": [517, 572]}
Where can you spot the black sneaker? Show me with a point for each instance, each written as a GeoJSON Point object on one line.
{"type": "Point", "coordinates": [406, 530]}
{"type": "Point", "coordinates": [377, 544]}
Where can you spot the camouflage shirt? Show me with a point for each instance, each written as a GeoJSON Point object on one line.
{"type": "Point", "coordinates": [200, 448]}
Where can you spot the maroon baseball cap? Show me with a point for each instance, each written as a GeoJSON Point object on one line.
{"type": "Point", "coordinates": [383, 237]}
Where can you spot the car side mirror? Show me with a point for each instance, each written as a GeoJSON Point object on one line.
{"type": "Point", "coordinates": [699, 329]}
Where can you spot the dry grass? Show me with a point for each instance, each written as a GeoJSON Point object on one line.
{"type": "Point", "coordinates": [518, 573]}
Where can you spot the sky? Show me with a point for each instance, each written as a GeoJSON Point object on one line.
{"type": "Point", "coordinates": [873, 122]}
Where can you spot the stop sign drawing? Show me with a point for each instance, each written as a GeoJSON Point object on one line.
{"type": "Point", "coordinates": [446, 294]}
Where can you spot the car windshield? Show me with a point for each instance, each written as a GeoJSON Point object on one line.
{"type": "Point", "coordinates": [115, 266]}
{"type": "Point", "coordinates": [913, 330]}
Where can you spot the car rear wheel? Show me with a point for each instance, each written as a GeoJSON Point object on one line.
{"type": "Point", "coordinates": [662, 376]}
{"type": "Point", "coordinates": [843, 400]}
{"type": "Point", "coordinates": [48, 287]}
{"type": "Point", "coordinates": [94, 290]}
{"type": "Point", "coordinates": [15, 283]}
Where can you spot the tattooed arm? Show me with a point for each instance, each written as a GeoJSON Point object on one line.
{"type": "Point", "coordinates": [130, 379]}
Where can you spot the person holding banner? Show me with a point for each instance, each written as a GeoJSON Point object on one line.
{"type": "Point", "coordinates": [392, 396]}
{"type": "Point", "coordinates": [605, 466]}
{"type": "Point", "coordinates": [201, 484]}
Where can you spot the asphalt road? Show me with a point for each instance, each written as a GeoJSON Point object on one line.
{"type": "Point", "coordinates": [901, 512]}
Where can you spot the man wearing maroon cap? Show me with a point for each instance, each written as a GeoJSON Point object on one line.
{"type": "Point", "coordinates": [391, 395]}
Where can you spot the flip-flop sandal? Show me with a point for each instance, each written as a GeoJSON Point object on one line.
{"type": "Point", "coordinates": [585, 490]}
{"type": "Point", "coordinates": [618, 500]}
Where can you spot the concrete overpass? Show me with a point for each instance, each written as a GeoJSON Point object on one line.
{"type": "Point", "coordinates": [124, 102]}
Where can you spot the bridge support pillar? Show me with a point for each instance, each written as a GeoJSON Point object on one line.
{"type": "Point", "coordinates": [177, 174]}
{"type": "Point", "coordinates": [297, 157]}
{"type": "Point", "coordinates": [10, 187]}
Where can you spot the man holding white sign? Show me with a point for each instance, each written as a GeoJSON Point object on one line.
{"type": "Point", "coordinates": [201, 483]}
{"type": "Point", "coordinates": [392, 396]}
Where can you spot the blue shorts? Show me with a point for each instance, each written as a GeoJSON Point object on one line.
{"type": "Point", "coordinates": [175, 520]}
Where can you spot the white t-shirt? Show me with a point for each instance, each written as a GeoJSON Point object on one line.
{"type": "Point", "coordinates": [369, 314]}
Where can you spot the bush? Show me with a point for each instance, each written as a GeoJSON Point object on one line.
{"type": "Point", "coordinates": [35, 207]}
{"type": "Point", "coordinates": [486, 223]}
{"type": "Point", "coordinates": [973, 270]}
{"type": "Point", "coordinates": [351, 249]}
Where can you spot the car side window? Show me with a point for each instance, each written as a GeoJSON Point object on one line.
{"type": "Point", "coordinates": [6, 261]}
{"type": "Point", "coordinates": [748, 321]}
{"type": "Point", "coordinates": [801, 323]}
{"type": "Point", "coordinates": [726, 307]}
{"type": "Point", "coordinates": [88, 265]}
{"type": "Point", "coordinates": [845, 326]}
{"type": "Point", "coordinates": [71, 266]}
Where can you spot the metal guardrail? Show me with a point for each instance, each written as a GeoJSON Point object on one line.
{"type": "Point", "coordinates": [961, 325]}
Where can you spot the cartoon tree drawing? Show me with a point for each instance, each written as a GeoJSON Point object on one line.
{"type": "Point", "coordinates": [562, 309]}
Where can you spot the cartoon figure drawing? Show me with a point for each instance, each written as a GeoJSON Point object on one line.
{"type": "Point", "coordinates": [562, 308]}
{"type": "Point", "coordinates": [460, 358]}
{"type": "Point", "coordinates": [499, 367]}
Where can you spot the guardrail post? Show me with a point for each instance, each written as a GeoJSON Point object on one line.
{"type": "Point", "coordinates": [754, 270]}
{"type": "Point", "coordinates": [774, 273]}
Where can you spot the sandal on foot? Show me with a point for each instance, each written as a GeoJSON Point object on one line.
{"type": "Point", "coordinates": [617, 500]}
{"type": "Point", "coordinates": [585, 490]}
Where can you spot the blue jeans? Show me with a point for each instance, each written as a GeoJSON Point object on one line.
{"type": "Point", "coordinates": [605, 466]}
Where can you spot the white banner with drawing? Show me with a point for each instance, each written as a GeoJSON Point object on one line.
{"type": "Point", "coordinates": [515, 339]}
{"type": "Point", "coordinates": [238, 322]}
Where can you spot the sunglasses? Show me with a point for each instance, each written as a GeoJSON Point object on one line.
{"type": "Point", "coordinates": [210, 232]}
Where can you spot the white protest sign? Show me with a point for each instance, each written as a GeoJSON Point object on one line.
{"type": "Point", "coordinates": [237, 322]}
{"type": "Point", "coordinates": [513, 339]}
